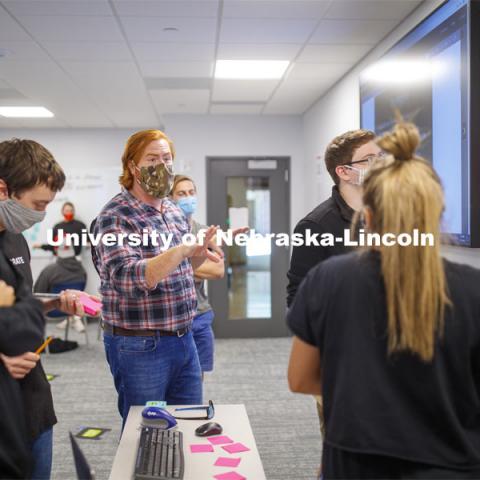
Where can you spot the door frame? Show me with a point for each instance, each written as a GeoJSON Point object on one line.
{"type": "Point", "coordinates": [218, 290]}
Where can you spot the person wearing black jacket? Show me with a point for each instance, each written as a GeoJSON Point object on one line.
{"type": "Point", "coordinates": [347, 158]}
{"type": "Point", "coordinates": [29, 180]}
{"type": "Point", "coordinates": [22, 327]}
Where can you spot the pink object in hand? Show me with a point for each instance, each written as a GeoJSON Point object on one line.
{"type": "Point", "coordinates": [90, 306]}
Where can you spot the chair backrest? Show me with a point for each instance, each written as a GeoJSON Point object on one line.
{"type": "Point", "coordinates": [84, 471]}
{"type": "Point", "coordinates": [60, 287]}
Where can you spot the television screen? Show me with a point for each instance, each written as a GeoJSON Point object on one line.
{"type": "Point", "coordinates": [426, 77]}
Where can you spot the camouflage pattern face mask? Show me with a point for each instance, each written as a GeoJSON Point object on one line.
{"type": "Point", "coordinates": [156, 180]}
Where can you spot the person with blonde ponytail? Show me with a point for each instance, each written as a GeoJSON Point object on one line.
{"type": "Point", "coordinates": [390, 336]}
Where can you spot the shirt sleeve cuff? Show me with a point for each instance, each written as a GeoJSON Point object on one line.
{"type": "Point", "coordinates": [141, 275]}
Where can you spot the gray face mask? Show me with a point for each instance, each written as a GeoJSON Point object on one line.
{"type": "Point", "coordinates": [16, 218]}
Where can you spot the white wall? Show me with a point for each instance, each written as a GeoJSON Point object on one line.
{"type": "Point", "coordinates": [339, 110]}
{"type": "Point", "coordinates": [195, 138]}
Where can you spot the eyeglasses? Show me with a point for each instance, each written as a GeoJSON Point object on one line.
{"type": "Point", "coordinates": [370, 159]}
{"type": "Point", "coordinates": [209, 412]}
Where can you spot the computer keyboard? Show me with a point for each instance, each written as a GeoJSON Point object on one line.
{"type": "Point", "coordinates": [160, 455]}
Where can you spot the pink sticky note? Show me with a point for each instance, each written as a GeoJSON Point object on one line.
{"type": "Point", "coordinates": [229, 476]}
{"type": "Point", "coordinates": [219, 440]}
{"type": "Point", "coordinates": [90, 306]}
{"type": "Point", "coordinates": [227, 462]}
{"type": "Point", "coordinates": [201, 448]}
{"type": "Point", "coordinates": [235, 448]}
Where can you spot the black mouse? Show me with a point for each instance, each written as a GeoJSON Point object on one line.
{"type": "Point", "coordinates": [207, 429]}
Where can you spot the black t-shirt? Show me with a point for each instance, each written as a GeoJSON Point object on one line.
{"type": "Point", "coordinates": [394, 405]}
{"type": "Point", "coordinates": [36, 392]}
{"type": "Point", "coordinates": [332, 216]}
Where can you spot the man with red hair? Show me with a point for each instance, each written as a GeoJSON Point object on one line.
{"type": "Point", "coordinates": [148, 291]}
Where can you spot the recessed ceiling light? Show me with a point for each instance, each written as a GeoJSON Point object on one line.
{"type": "Point", "coordinates": [25, 112]}
{"type": "Point", "coordinates": [250, 69]}
{"type": "Point", "coordinates": [170, 29]}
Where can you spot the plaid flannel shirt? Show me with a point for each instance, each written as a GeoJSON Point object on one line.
{"type": "Point", "coordinates": [128, 302]}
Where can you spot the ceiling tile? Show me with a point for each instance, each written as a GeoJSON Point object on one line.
{"type": "Point", "coordinates": [89, 51]}
{"type": "Point", "coordinates": [44, 83]}
{"type": "Point", "coordinates": [10, 94]}
{"type": "Point", "coordinates": [275, 9]}
{"type": "Point", "coordinates": [154, 83]}
{"type": "Point", "coordinates": [58, 7]}
{"type": "Point", "coordinates": [236, 108]}
{"type": "Point", "coordinates": [371, 9]}
{"type": "Point", "coordinates": [181, 101]}
{"type": "Point", "coordinates": [72, 28]}
{"type": "Point", "coordinates": [151, 29]}
{"type": "Point", "coordinates": [295, 97]}
{"type": "Point", "coordinates": [320, 71]}
{"type": "Point", "coordinates": [161, 8]}
{"type": "Point", "coordinates": [108, 84]}
{"type": "Point", "coordinates": [10, 30]}
{"type": "Point", "coordinates": [24, 50]}
{"type": "Point", "coordinates": [352, 31]}
{"type": "Point", "coordinates": [238, 51]}
{"type": "Point", "coordinates": [243, 90]}
{"type": "Point", "coordinates": [333, 53]}
{"type": "Point", "coordinates": [256, 30]}
{"type": "Point", "coordinates": [173, 52]}
{"type": "Point", "coordinates": [177, 69]}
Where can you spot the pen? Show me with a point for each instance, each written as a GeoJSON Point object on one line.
{"type": "Point", "coordinates": [42, 347]}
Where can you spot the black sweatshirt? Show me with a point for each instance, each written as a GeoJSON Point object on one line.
{"type": "Point", "coordinates": [36, 392]}
{"type": "Point", "coordinates": [22, 330]}
{"type": "Point", "coordinates": [332, 216]}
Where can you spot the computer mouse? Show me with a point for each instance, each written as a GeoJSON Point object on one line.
{"type": "Point", "coordinates": [207, 429]}
{"type": "Point", "coordinates": [157, 417]}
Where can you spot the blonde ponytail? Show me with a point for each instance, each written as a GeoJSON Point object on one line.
{"type": "Point", "coordinates": [403, 193]}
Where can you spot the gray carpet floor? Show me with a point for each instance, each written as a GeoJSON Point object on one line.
{"type": "Point", "coordinates": [248, 371]}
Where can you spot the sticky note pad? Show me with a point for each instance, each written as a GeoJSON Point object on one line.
{"type": "Point", "coordinates": [229, 476]}
{"type": "Point", "coordinates": [201, 448]}
{"type": "Point", "coordinates": [220, 440]}
{"type": "Point", "coordinates": [227, 462]}
{"type": "Point", "coordinates": [90, 306]}
{"type": "Point", "coordinates": [236, 448]}
{"type": "Point", "coordinates": [91, 432]}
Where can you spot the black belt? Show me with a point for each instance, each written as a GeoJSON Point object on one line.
{"type": "Point", "coordinates": [127, 332]}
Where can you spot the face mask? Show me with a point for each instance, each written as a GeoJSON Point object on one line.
{"type": "Point", "coordinates": [68, 217]}
{"type": "Point", "coordinates": [16, 218]}
{"type": "Point", "coordinates": [156, 180]}
{"type": "Point", "coordinates": [361, 172]}
{"type": "Point", "coordinates": [188, 205]}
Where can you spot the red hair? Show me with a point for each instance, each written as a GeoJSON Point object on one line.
{"type": "Point", "coordinates": [134, 150]}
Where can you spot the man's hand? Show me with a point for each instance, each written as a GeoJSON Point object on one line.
{"type": "Point", "coordinates": [70, 303]}
{"type": "Point", "coordinates": [20, 366]}
{"type": "Point", "coordinates": [7, 295]}
{"type": "Point", "coordinates": [200, 250]}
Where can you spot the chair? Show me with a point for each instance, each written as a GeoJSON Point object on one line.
{"type": "Point", "coordinates": [84, 470]}
{"type": "Point", "coordinates": [59, 287]}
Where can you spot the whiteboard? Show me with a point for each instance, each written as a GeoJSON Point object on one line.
{"type": "Point", "coordinates": [88, 190]}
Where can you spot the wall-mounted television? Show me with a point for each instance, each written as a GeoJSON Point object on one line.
{"type": "Point", "coordinates": [431, 76]}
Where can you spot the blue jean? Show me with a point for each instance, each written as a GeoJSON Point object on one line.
{"type": "Point", "coordinates": [42, 455]}
{"type": "Point", "coordinates": [204, 339]}
{"type": "Point", "coordinates": [154, 368]}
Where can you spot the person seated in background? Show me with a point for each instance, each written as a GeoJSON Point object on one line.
{"type": "Point", "coordinates": [69, 225]}
{"type": "Point", "coordinates": [22, 330]}
{"type": "Point", "coordinates": [66, 269]}
{"type": "Point", "coordinates": [391, 337]}
{"type": "Point", "coordinates": [184, 194]}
